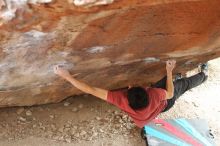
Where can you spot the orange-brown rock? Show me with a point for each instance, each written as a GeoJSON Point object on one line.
{"type": "Point", "coordinates": [106, 43]}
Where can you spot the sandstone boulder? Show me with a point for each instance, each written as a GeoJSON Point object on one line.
{"type": "Point", "coordinates": [107, 43]}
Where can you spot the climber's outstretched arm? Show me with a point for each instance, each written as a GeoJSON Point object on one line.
{"type": "Point", "coordinates": [98, 92]}
{"type": "Point", "coordinates": [170, 65]}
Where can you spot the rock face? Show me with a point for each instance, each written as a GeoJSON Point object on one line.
{"type": "Point", "coordinates": [106, 43]}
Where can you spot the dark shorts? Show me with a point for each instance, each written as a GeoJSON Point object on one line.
{"type": "Point", "coordinates": [181, 86]}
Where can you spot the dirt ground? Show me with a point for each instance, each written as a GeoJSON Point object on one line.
{"type": "Point", "coordinates": [88, 121]}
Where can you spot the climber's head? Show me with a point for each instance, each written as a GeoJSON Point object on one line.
{"type": "Point", "coordinates": [137, 98]}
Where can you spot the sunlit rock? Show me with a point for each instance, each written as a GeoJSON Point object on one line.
{"type": "Point", "coordinates": [108, 44]}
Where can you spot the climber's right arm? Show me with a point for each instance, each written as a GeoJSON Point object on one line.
{"type": "Point", "coordinates": [170, 65]}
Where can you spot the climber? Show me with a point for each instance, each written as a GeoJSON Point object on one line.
{"type": "Point", "coordinates": [143, 104]}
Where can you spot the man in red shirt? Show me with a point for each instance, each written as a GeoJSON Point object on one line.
{"type": "Point", "coordinates": [142, 104]}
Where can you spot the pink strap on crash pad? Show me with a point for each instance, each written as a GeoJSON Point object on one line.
{"type": "Point", "coordinates": [176, 132]}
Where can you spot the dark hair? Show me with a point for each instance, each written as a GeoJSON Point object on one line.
{"type": "Point", "coordinates": [137, 98]}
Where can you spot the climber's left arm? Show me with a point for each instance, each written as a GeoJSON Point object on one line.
{"type": "Point", "coordinates": [98, 92]}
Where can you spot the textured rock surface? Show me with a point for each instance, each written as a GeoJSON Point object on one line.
{"type": "Point", "coordinates": [110, 46]}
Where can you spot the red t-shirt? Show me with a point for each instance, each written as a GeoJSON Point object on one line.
{"type": "Point", "coordinates": [157, 103]}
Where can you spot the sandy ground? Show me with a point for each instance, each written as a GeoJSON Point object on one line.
{"type": "Point", "coordinates": [87, 121]}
